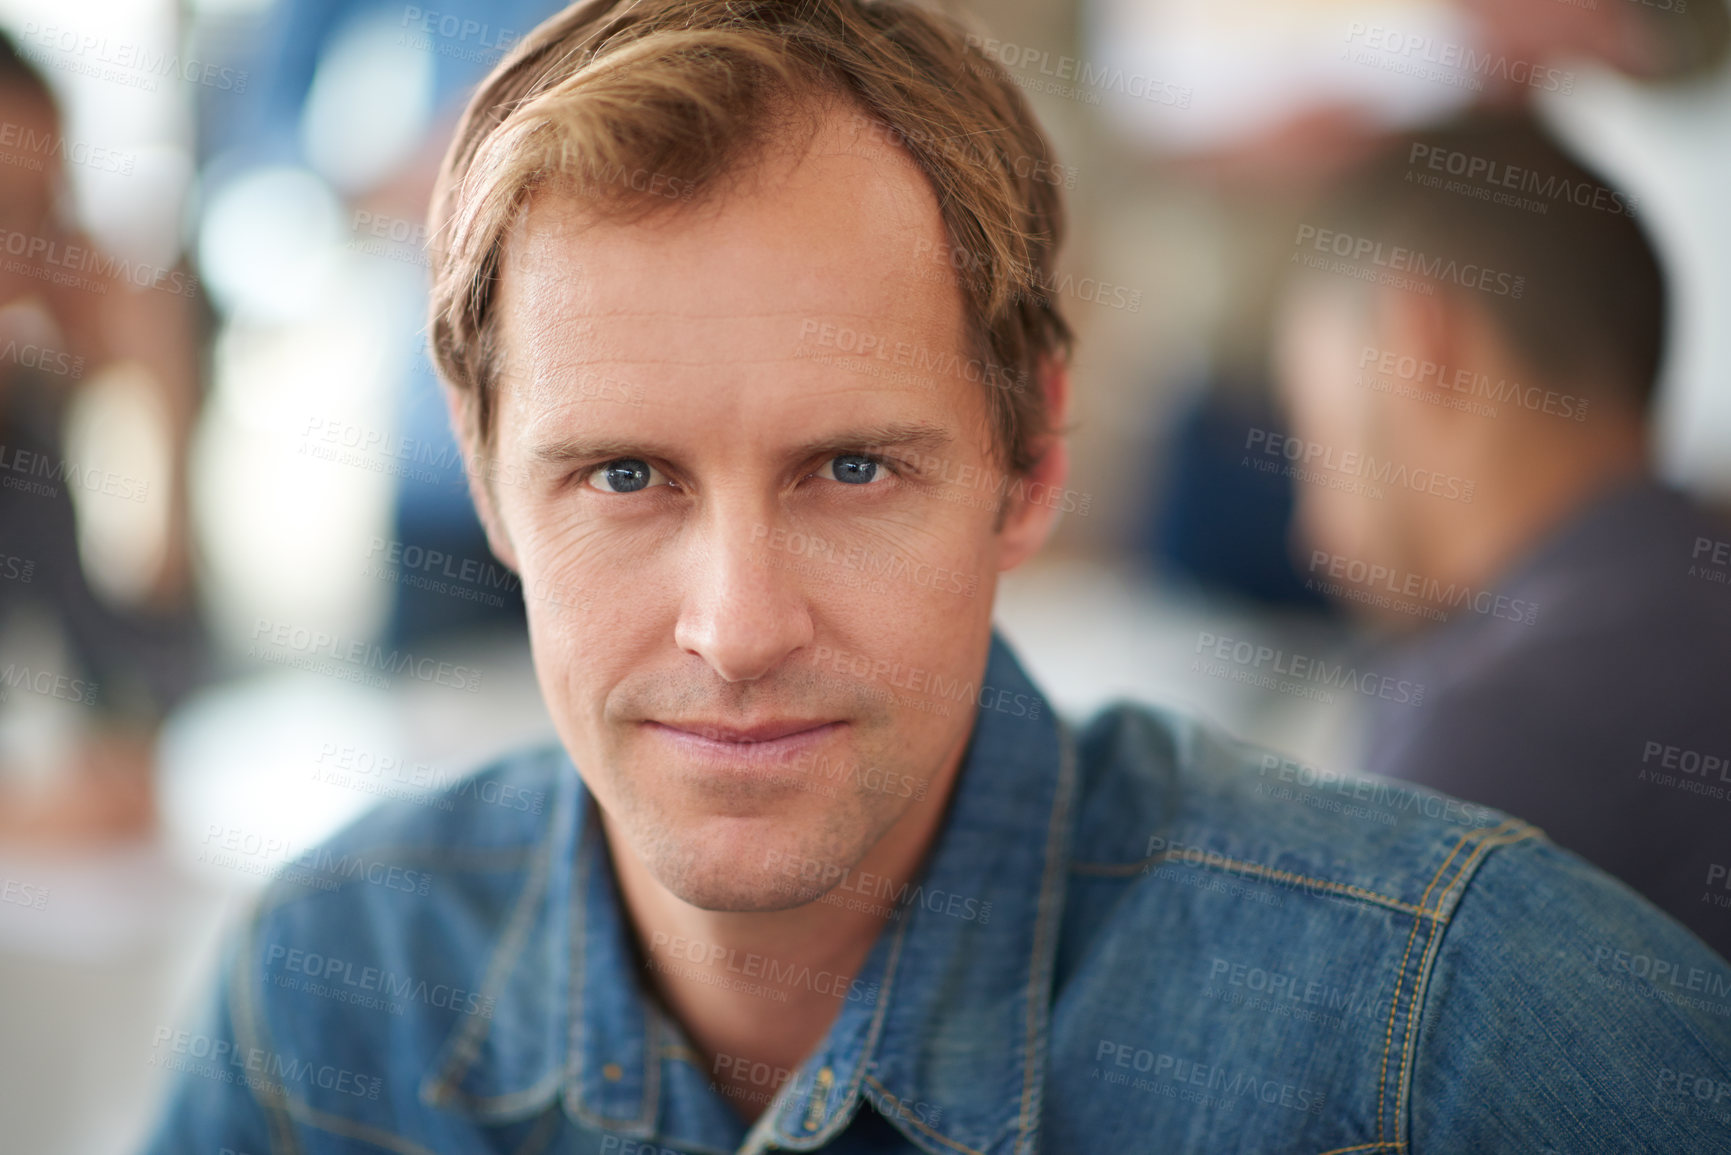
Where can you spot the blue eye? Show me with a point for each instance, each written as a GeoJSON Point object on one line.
{"type": "Point", "coordinates": [626, 475]}
{"type": "Point", "coordinates": [852, 468]}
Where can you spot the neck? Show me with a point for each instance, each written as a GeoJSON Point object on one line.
{"type": "Point", "coordinates": [1529, 482]}
{"type": "Point", "coordinates": [756, 991]}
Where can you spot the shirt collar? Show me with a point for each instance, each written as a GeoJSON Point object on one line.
{"type": "Point", "coordinates": [510, 1064]}
{"type": "Point", "coordinates": [944, 1030]}
{"type": "Point", "coordinates": [967, 999]}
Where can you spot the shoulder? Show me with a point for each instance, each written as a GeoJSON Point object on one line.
{"type": "Point", "coordinates": [1612, 1022]}
{"type": "Point", "coordinates": [1471, 985]}
{"type": "Point", "coordinates": [486, 823]}
{"type": "Point", "coordinates": [469, 839]}
{"type": "Point", "coordinates": [1238, 919]}
{"type": "Point", "coordinates": [1500, 693]}
{"type": "Point", "coordinates": [376, 944]}
{"type": "Point", "coordinates": [1157, 786]}
{"type": "Point", "coordinates": [503, 803]}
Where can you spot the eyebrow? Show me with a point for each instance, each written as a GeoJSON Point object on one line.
{"type": "Point", "coordinates": [894, 435]}
{"type": "Point", "coordinates": [567, 450]}
{"type": "Point", "coordinates": [917, 435]}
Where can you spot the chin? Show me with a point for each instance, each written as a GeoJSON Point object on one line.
{"type": "Point", "coordinates": [753, 864]}
{"type": "Point", "coordinates": [731, 881]}
{"type": "Point", "coordinates": [721, 892]}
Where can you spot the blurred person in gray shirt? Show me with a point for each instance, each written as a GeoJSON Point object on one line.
{"type": "Point", "coordinates": [1468, 344]}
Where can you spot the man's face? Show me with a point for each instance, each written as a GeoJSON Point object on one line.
{"type": "Point", "coordinates": [1321, 333]}
{"type": "Point", "coordinates": [758, 565]}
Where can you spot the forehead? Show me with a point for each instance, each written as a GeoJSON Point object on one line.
{"type": "Point", "coordinates": [826, 244]}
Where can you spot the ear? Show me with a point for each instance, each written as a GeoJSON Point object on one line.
{"type": "Point", "coordinates": [1034, 505]}
{"type": "Point", "coordinates": [479, 469]}
{"type": "Point", "coordinates": [1453, 338]}
{"type": "Point", "coordinates": [1424, 328]}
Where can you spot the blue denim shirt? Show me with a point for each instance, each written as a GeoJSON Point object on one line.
{"type": "Point", "coordinates": [1144, 937]}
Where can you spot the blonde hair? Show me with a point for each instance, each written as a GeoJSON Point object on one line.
{"type": "Point", "coordinates": [684, 92]}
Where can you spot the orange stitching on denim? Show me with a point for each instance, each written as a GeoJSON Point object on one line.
{"type": "Point", "coordinates": [945, 1140]}
{"type": "Point", "coordinates": [1400, 975]}
{"type": "Point", "coordinates": [1488, 844]}
{"type": "Point", "coordinates": [1360, 1147]}
{"type": "Point", "coordinates": [1253, 869]}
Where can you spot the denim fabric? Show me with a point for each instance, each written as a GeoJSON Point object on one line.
{"type": "Point", "coordinates": [1145, 937]}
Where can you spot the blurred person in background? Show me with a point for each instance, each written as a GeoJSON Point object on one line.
{"type": "Point", "coordinates": [1221, 525]}
{"type": "Point", "coordinates": [66, 309]}
{"type": "Point", "coordinates": [1468, 349]}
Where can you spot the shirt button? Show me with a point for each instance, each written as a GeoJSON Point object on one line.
{"type": "Point", "coordinates": [612, 1072]}
{"type": "Point", "coordinates": [819, 1097]}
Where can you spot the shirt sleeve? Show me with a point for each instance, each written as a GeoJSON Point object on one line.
{"type": "Point", "coordinates": [1565, 1013]}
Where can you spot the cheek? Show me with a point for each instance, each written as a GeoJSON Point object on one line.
{"type": "Point", "coordinates": [561, 585]}
{"type": "Point", "coordinates": [923, 572]}
{"type": "Point", "coordinates": [590, 612]}
{"type": "Point", "coordinates": [1334, 410]}
{"type": "Point", "coordinates": [1319, 352]}
{"type": "Point", "coordinates": [930, 546]}
{"type": "Point", "coordinates": [571, 562]}
{"type": "Point", "coordinates": [1334, 521]}
{"type": "Point", "coordinates": [904, 613]}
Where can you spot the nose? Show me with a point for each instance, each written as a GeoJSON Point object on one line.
{"type": "Point", "coordinates": [744, 609]}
